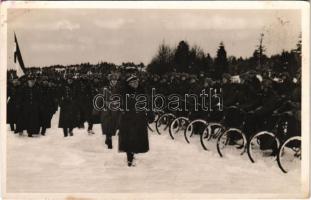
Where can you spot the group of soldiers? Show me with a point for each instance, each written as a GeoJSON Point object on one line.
{"type": "Point", "coordinates": [34, 98]}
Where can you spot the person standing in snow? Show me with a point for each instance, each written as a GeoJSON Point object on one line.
{"type": "Point", "coordinates": [110, 118]}
{"type": "Point", "coordinates": [13, 104]}
{"type": "Point", "coordinates": [31, 99]}
{"type": "Point", "coordinates": [133, 132]}
{"type": "Point", "coordinates": [69, 116]}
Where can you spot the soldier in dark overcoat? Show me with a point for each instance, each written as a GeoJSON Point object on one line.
{"type": "Point", "coordinates": [83, 89]}
{"type": "Point", "coordinates": [69, 115]}
{"type": "Point", "coordinates": [133, 133]}
{"type": "Point", "coordinates": [94, 88]}
{"type": "Point", "coordinates": [20, 122]}
{"type": "Point", "coordinates": [30, 101]}
{"type": "Point", "coordinates": [270, 101]}
{"type": "Point", "coordinates": [249, 94]}
{"type": "Point", "coordinates": [13, 95]}
{"type": "Point", "coordinates": [111, 114]}
{"type": "Point", "coordinates": [48, 105]}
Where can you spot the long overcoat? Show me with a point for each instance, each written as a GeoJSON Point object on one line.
{"type": "Point", "coordinates": [133, 133]}
{"type": "Point", "coordinates": [31, 99]}
{"type": "Point", "coordinates": [110, 116]}
{"type": "Point", "coordinates": [48, 106]}
{"type": "Point", "coordinates": [69, 113]}
{"type": "Point", "coordinates": [82, 100]}
{"type": "Point", "coordinates": [13, 104]}
{"type": "Point", "coordinates": [93, 116]}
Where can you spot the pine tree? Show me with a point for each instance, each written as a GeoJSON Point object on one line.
{"type": "Point", "coordinates": [221, 61]}
{"type": "Point", "coordinates": [182, 57]}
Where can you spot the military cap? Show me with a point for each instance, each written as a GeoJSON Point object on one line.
{"type": "Point", "coordinates": [129, 69]}
{"type": "Point", "coordinates": [130, 78]}
{"type": "Point", "coordinates": [112, 77]}
{"type": "Point", "coordinates": [226, 76]}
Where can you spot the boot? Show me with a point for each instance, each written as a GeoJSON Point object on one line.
{"type": "Point", "coordinates": [12, 127]}
{"type": "Point", "coordinates": [130, 157]}
{"type": "Point", "coordinates": [70, 132]}
{"type": "Point", "coordinates": [81, 126]}
{"type": "Point", "coordinates": [65, 132]}
{"type": "Point", "coordinates": [108, 142]}
{"type": "Point", "coordinates": [43, 130]}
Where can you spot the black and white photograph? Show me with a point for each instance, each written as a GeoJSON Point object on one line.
{"type": "Point", "coordinates": [155, 100]}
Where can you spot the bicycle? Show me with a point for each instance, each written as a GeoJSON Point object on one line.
{"type": "Point", "coordinates": [232, 137]}
{"type": "Point", "coordinates": [265, 142]}
{"type": "Point", "coordinates": [291, 146]}
{"type": "Point", "coordinates": [163, 122]}
{"type": "Point", "coordinates": [177, 125]}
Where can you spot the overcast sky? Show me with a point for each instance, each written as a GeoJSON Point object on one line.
{"type": "Point", "coordinates": [63, 36]}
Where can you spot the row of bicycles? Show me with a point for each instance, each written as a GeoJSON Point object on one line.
{"type": "Point", "coordinates": [278, 138]}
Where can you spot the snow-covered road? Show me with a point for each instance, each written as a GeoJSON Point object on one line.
{"type": "Point", "coordinates": [83, 164]}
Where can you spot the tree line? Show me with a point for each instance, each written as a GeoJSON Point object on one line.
{"type": "Point", "coordinates": [193, 60]}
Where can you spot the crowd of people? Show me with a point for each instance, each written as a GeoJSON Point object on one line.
{"type": "Point", "coordinates": [33, 99]}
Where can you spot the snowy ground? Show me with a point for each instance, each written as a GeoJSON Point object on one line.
{"type": "Point", "coordinates": [83, 164]}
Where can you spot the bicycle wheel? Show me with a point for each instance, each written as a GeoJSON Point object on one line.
{"type": "Point", "coordinates": [164, 122]}
{"type": "Point", "coordinates": [289, 155]}
{"type": "Point", "coordinates": [197, 126]}
{"type": "Point", "coordinates": [149, 128]}
{"type": "Point", "coordinates": [231, 141]}
{"type": "Point", "coordinates": [157, 116]}
{"type": "Point", "coordinates": [177, 125]}
{"type": "Point", "coordinates": [212, 131]}
{"type": "Point", "coordinates": [263, 145]}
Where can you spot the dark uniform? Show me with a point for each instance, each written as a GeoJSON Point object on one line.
{"type": "Point", "coordinates": [30, 100]}
{"type": "Point", "coordinates": [69, 115]}
{"type": "Point", "coordinates": [94, 88]}
{"type": "Point", "coordinates": [48, 106]}
{"type": "Point", "coordinates": [13, 105]}
{"type": "Point", "coordinates": [82, 100]}
{"type": "Point", "coordinates": [110, 117]}
{"type": "Point", "coordinates": [269, 101]}
{"type": "Point", "coordinates": [133, 135]}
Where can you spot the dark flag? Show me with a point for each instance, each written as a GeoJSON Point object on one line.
{"type": "Point", "coordinates": [18, 55]}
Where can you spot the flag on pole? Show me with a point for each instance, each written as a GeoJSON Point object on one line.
{"type": "Point", "coordinates": [18, 57]}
